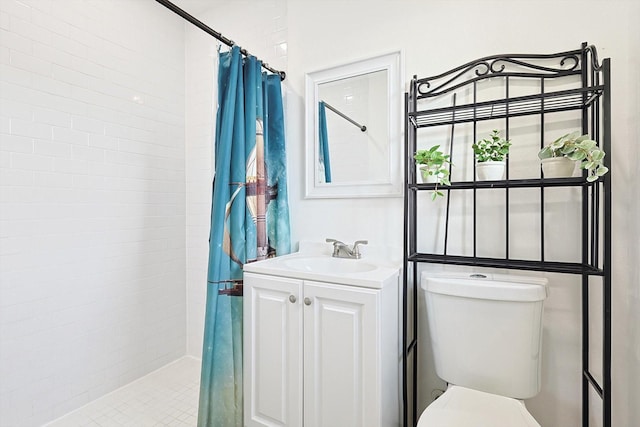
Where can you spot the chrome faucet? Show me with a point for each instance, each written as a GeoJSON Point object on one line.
{"type": "Point", "coordinates": [342, 250]}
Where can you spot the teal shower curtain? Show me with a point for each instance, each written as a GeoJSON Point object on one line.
{"type": "Point", "coordinates": [249, 222]}
{"type": "Point", "coordinates": [323, 137]}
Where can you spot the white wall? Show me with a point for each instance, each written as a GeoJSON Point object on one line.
{"type": "Point", "coordinates": [92, 186]}
{"type": "Point", "coordinates": [201, 97]}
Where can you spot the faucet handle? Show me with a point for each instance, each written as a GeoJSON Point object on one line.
{"type": "Point", "coordinates": [356, 249]}
{"type": "Point", "coordinates": [336, 246]}
{"type": "Point", "coordinates": [334, 241]}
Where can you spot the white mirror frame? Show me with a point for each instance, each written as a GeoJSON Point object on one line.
{"type": "Point", "coordinates": [393, 186]}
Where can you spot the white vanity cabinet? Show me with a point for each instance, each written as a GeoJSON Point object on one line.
{"type": "Point", "coordinates": [319, 354]}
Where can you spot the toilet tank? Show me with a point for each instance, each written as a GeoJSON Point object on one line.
{"type": "Point", "coordinates": [486, 330]}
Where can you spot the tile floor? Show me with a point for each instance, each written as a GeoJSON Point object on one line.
{"type": "Point", "coordinates": [166, 397]}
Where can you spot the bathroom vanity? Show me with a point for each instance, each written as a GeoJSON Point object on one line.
{"type": "Point", "coordinates": [321, 342]}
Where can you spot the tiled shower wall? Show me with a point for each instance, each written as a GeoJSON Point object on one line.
{"type": "Point", "coordinates": [92, 187]}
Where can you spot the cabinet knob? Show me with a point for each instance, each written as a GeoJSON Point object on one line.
{"type": "Point", "coordinates": [292, 298]}
{"type": "Point", "coordinates": [307, 301]}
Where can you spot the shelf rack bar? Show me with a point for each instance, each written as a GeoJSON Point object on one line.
{"type": "Point", "coordinates": [542, 143]}
{"type": "Point", "coordinates": [606, 145]}
{"type": "Point", "coordinates": [515, 183]}
{"type": "Point", "coordinates": [512, 264]}
{"type": "Point", "coordinates": [448, 208]}
{"type": "Point", "coordinates": [506, 188]}
{"type": "Point", "coordinates": [564, 100]}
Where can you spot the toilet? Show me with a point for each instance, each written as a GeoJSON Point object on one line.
{"type": "Point", "coordinates": [486, 337]}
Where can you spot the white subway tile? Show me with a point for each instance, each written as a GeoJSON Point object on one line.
{"type": "Point", "coordinates": [52, 117]}
{"type": "Point", "coordinates": [53, 179]}
{"type": "Point", "coordinates": [89, 181]}
{"type": "Point", "coordinates": [55, 56]}
{"type": "Point", "coordinates": [87, 35]}
{"type": "Point", "coordinates": [41, 5]}
{"type": "Point", "coordinates": [91, 97]}
{"type": "Point", "coordinates": [15, 41]}
{"type": "Point", "coordinates": [103, 141]}
{"type": "Point", "coordinates": [43, 19]}
{"type": "Point", "coordinates": [88, 125]}
{"type": "Point", "coordinates": [63, 72]}
{"type": "Point", "coordinates": [31, 162]}
{"type": "Point", "coordinates": [17, 9]}
{"type": "Point", "coordinates": [11, 177]}
{"type": "Point", "coordinates": [52, 86]}
{"type": "Point", "coordinates": [5, 125]}
{"type": "Point", "coordinates": [30, 30]}
{"type": "Point", "coordinates": [88, 67]}
{"type": "Point", "coordinates": [15, 75]}
{"type": "Point", "coordinates": [104, 169]}
{"type": "Point", "coordinates": [30, 129]}
{"type": "Point", "coordinates": [68, 45]}
{"type": "Point", "coordinates": [5, 57]}
{"type": "Point", "coordinates": [16, 110]}
{"type": "Point", "coordinates": [71, 166]}
{"type": "Point", "coordinates": [52, 148]}
{"type": "Point", "coordinates": [128, 133]}
{"type": "Point", "coordinates": [70, 135]}
{"type": "Point", "coordinates": [61, 103]}
{"type": "Point", "coordinates": [17, 144]}
{"type": "Point", "coordinates": [88, 153]}
{"type": "Point", "coordinates": [14, 195]}
{"type": "Point", "coordinates": [29, 63]}
{"type": "Point", "coordinates": [4, 20]}
{"type": "Point", "coordinates": [107, 115]}
{"type": "Point", "coordinates": [5, 159]}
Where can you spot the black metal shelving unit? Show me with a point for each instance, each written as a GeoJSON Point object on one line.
{"type": "Point", "coordinates": [587, 94]}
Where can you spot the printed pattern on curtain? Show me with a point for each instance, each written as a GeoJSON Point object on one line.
{"type": "Point", "coordinates": [249, 222]}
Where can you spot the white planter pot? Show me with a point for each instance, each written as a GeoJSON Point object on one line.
{"type": "Point", "coordinates": [557, 167]}
{"type": "Point", "coordinates": [490, 171]}
{"type": "Point", "coordinates": [425, 178]}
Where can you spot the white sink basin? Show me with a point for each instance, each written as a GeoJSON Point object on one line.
{"type": "Point", "coordinates": [314, 262]}
{"type": "Point", "coordinates": [329, 265]}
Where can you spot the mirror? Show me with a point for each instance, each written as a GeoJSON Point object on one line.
{"type": "Point", "coordinates": [353, 137]}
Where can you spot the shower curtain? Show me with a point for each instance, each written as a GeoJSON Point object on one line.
{"type": "Point", "coordinates": [249, 222]}
{"type": "Point", "coordinates": [323, 138]}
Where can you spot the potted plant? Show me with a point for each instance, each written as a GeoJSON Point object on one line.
{"type": "Point", "coordinates": [572, 148]}
{"type": "Point", "coordinates": [433, 168]}
{"type": "Point", "coordinates": [490, 156]}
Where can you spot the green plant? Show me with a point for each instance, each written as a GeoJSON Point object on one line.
{"type": "Point", "coordinates": [434, 163]}
{"type": "Point", "coordinates": [494, 148]}
{"type": "Point", "coordinates": [581, 149]}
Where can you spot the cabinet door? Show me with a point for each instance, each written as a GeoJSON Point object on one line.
{"type": "Point", "coordinates": [272, 351]}
{"type": "Point", "coordinates": [341, 356]}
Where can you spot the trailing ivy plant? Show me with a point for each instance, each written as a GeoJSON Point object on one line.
{"type": "Point", "coordinates": [434, 163]}
{"type": "Point", "coordinates": [579, 148]}
{"type": "Point", "coordinates": [494, 148]}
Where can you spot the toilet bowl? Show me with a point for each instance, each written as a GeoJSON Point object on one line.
{"type": "Point", "coordinates": [486, 337]}
{"type": "Point", "coordinates": [464, 407]}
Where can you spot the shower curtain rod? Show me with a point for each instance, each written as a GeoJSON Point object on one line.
{"type": "Point", "coordinates": [363, 128]}
{"type": "Point", "coordinates": [172, 7]}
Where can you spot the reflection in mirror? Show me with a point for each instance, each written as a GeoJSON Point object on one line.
{"type": "Point", "coordinates": [357, 148]}
{"type": "Point", "coordinates": [353, 129]}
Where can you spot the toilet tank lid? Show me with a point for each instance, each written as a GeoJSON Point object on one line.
{"type": "Point", "coordinates": [498, 287]}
